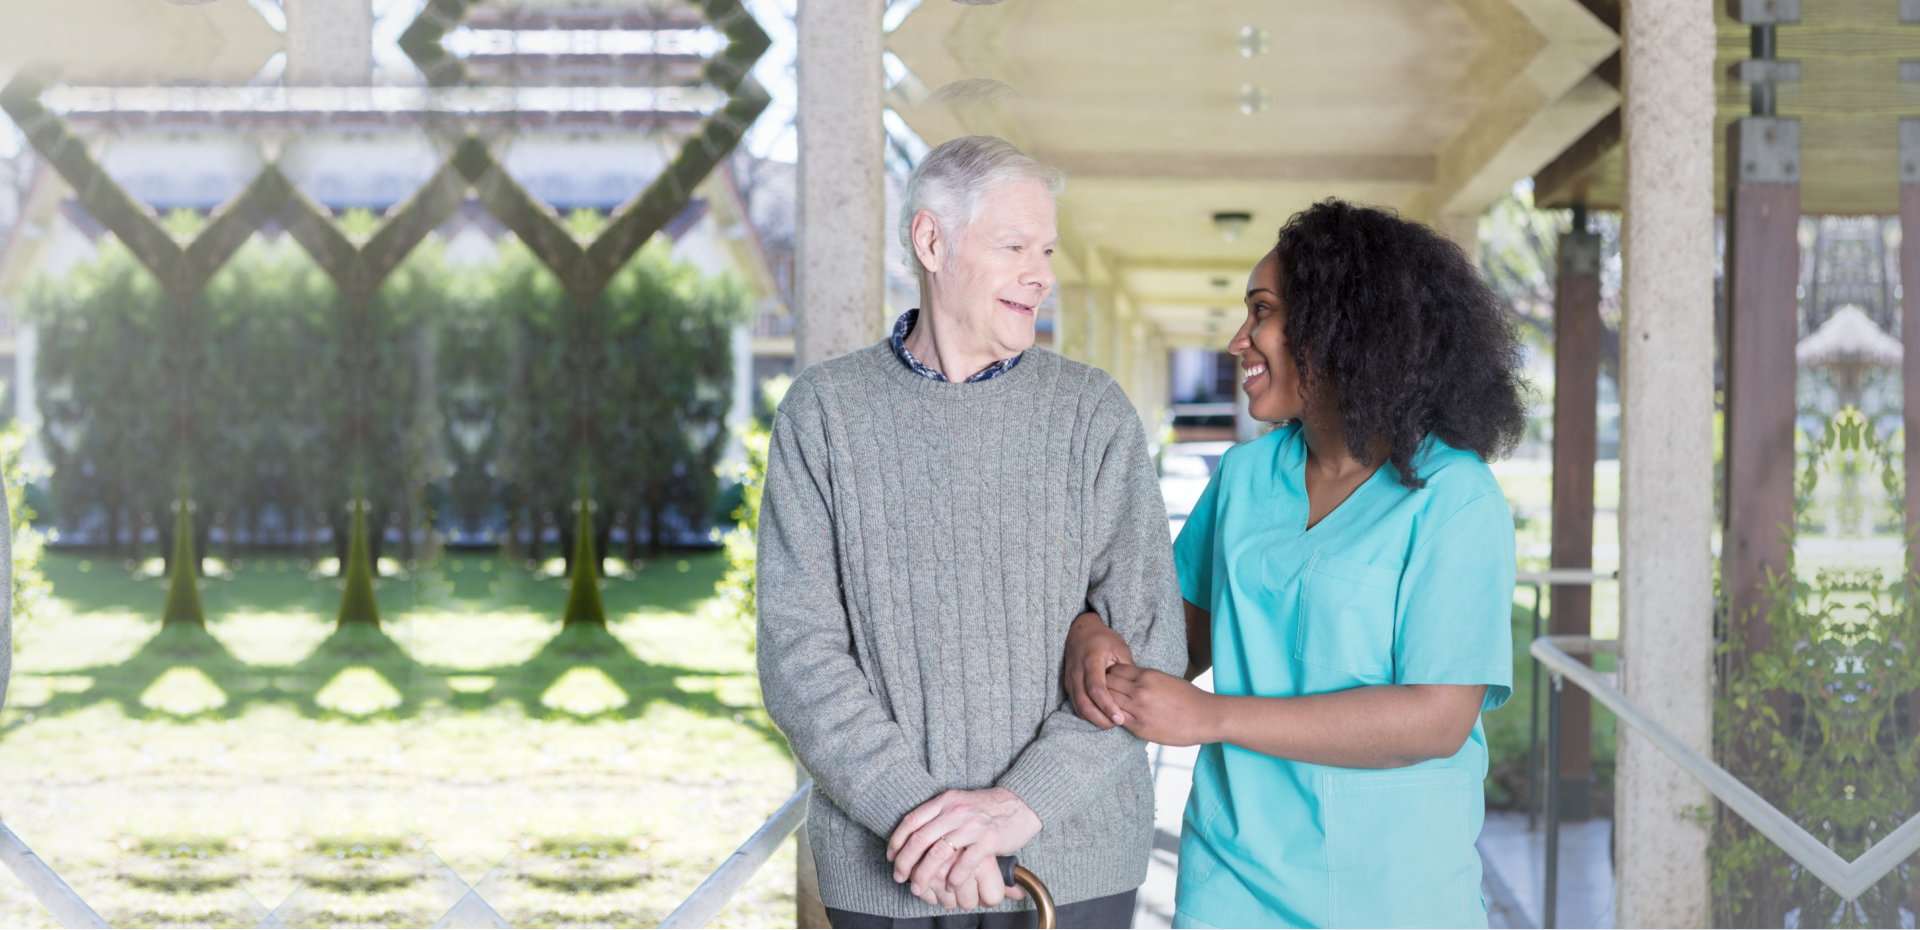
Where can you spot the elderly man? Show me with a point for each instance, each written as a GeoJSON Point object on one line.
{"type": "Point", "coordinates": [939, 507]}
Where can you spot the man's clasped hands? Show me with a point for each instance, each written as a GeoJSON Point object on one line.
{"type": "Point", "coordinates": [948, 846]}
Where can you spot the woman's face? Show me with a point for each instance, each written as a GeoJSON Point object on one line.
{"type": "Point", "coordinates": [1271, 380]}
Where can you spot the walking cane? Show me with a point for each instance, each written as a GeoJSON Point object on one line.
{"type": "Point", "coordinates": [1013, 873]}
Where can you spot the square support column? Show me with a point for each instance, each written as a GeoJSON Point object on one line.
{"type": "Point", "coordinates": [329, 42]}
{"type": "Point", "coordinates": [839, 294]}
{"type": "Point", "coordinates": [839, 297]}
{"type": "Point", "coordinates": [1763, 272]}
{"type": "Point", "coordinates": [1072, 325]}
{"type": "Point", "coordinates": [1576, 401]}
{"type": "Point", "coordinates": [1910, 320]}
{"type": "Point", "coordinates": [1666, 456]}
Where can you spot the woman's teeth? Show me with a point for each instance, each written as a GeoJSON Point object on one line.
{"type": "Point", "coordinates": [1253, 371]}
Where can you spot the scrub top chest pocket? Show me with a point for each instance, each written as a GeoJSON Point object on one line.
{"type": "Point", "coordinates": [1346, 619]}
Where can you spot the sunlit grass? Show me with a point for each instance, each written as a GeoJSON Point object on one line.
{"type": "Point", "coordinates": [368, 777]}
{"type": "Point", "coordinates": [183, 691]}
{"type": "Point", "coordinates": [358, 692]}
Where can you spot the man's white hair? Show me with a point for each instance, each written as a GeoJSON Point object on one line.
{"type": "Point", "coordinates": [948, 183]}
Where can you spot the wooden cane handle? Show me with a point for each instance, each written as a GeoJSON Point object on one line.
{"type": "Point", "coordinates": [1037, 890]}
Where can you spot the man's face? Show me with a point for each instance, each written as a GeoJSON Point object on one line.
{"type": "Point", "coordinates": [994, 274]}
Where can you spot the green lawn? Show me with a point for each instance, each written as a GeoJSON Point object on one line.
{"type": "Point", "coordinates": [366, 778]}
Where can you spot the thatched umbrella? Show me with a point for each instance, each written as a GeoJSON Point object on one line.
{"type": "Point", "coordinates": [1849, 345]}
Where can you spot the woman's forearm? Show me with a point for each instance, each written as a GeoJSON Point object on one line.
{"type": "Point", "coordinates": [1199, 639]}
{"type": "Point", "coordinates": [1373, 727]}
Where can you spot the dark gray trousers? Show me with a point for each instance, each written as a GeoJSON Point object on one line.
{"type": "Point", "coordinates": [1114, 910]}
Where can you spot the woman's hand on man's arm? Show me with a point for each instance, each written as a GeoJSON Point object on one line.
{"type": "Point", "coordinates": [1092, 648]}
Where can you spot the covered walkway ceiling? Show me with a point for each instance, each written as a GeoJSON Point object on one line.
{"type": "Point", "coordinates": [1849, 100]}
{"type": "Point", "coordinates": [1433, 108]}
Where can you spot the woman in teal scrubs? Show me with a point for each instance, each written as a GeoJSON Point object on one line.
{"type": "Point", "coordinates": [1349, 579]}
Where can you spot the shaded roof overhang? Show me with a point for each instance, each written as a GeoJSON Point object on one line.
{"type": "Point", "coordinates": [1849, 100]}
{"type": "Point", "coordinates": [1432, 108]}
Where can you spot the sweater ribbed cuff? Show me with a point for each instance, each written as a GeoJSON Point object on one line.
{"type": "Point", "coordinates": [889, 796]}
{"type": "Point", "coordinates": [1053, 786]}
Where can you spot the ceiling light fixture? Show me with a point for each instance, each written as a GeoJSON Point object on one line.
{"type": "Point", "coordinates": [1253, 42]}
{"type": "Point", "coordinates": [1230, 224]}
{"type": "Point", "coordinates": [1253, 99]}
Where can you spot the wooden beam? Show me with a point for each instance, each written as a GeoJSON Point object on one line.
{"type": "Point", "coordinates": [1576, 400]}
{"type": "Point", "coordinates": [1563, 180]}
{"type": "Point", "coordinates": [1195, 166]}
{"type": "Point", "coordinates": [1910, 323]}
{"type": "Point", "coordinates": [1763, 262]}
{"type": "Point", "coordinates": [1606, 11]}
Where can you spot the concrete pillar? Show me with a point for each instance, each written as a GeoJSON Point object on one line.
{"type": "Point", "coordinates": [839, 294]}
{"type": "Point", "coordinates": [1072, 324]}
{"type": "Point", "coordinates": [1666, 457]}
{"type": "Point", "coordinates": [1140, 365]}
{"type": "Point", "coordinates": [839, 302]}
{"type": "Point", "coordinates": [1120, 352]}
{"type": "Point", "coordinates": [329, 42]}
{"type": "Point", "coordinates": [26, 394]}
{"type": "Point", "coordinates": [740, 413]}
{"type": "Point", "coordinates": [1158, 364]}
{"type": "Point", "coordinates": [1103, 330]}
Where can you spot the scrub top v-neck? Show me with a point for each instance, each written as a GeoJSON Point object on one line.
{"type": "Point", "coordinates": [1394, 586]}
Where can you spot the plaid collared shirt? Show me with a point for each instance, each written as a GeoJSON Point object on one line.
{"type": "Point", "coordinates": [904, 325]}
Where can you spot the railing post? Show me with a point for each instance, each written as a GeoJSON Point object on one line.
{"type": "Point", "coordinates": [808, 911]}
{"type": "Point", "coordinates": [1551, 898]}
{"type": "Point", "coordinates": [1533, 723]}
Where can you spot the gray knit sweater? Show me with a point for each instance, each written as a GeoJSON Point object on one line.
{"type": "Point", "coordinates": [923, 548]}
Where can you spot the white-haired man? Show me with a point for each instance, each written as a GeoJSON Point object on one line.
{"type": "Point", "coordinates": [939, 507]}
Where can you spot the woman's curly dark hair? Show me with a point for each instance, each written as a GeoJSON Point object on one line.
{"type": "Point", "coordinates": [1396, 324]}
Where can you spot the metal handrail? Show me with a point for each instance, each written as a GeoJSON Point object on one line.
{"type": "Point", "coordinates": [706, 901]}
{"type": "Point", "coordinates": [1536, 580]}
{"type": "Point", "coordinates": [47, 887]}
{"type": "Point", "coordinates": [1847, 879]}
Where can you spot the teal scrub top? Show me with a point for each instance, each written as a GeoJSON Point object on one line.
{"type": "Point", "coordinates": [1395, 586]}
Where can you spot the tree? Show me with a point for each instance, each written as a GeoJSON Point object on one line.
{"type": "Point", "coordinates": [614, 412]}
{"type": "Point", "coordinates": [126, 404]}
{"type": "Point", "coordinates": [1519, 248]}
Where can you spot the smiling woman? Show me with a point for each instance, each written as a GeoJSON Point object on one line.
{"type": "Point", "coordinates": [1348, 578]}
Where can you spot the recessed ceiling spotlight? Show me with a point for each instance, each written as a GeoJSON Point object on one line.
{"type": "Point", "coordinates": [1253, 99]}
{"type": "Point", "coordinates": [1230, 224]}
{"type": "Point", "coordinates": [1253, 42]}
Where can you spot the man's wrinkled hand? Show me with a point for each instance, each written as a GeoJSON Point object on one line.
{"type": "Point", "coordinates": [945, 842]}
{"type": "Point", "coordinates": [1161, 708]}
{"type": "Point", "coordinates": [986, 889]}
{"type": "Point", "coordinates": [1092, 649]}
